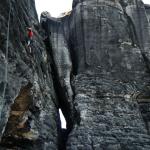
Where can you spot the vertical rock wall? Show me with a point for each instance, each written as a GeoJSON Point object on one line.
{"type": "Point", "coordinates": [28, 104]}
{"type": "Point", "coordinates": [108, 44]}
{"type": "Point", "coordinates": [93, 64]}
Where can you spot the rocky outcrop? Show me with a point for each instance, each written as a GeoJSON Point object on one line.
{"type": "Point", "coordinates": [28, 104]}
{"type": "Point", "coordinates": [108, 45]}
{"type": "Point", "coordinates": [93, 64]}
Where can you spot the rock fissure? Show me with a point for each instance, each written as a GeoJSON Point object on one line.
{"type": "Point", "coordinates": [62, 95]}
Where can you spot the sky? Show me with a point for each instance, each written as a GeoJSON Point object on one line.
{"type": "Point", "coordinates": [63, 121]}
{"type": "Point", "coordinates": [146, 1]}
{"type": "Point", "coordinates": [56, 7]}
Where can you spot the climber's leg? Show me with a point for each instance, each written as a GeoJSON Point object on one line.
{"type": "Point", "coordinates": [30, 50]}
{"type": "Point", "coordinates": [28, 42]}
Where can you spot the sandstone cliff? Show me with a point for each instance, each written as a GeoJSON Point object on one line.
{"type": "Point", "coordinates": [28, 104]}
{"type": "Point", "coordinates": [93, 63]}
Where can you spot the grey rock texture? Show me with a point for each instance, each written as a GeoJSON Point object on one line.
{"type": "Point", "coordinates": [28, 105]}
{"type": "Point", "coordinates": [108, 43]}
{"type": "Point", "coordinates": [93, 63]}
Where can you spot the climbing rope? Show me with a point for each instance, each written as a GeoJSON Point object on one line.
{"type": "Point", "coordinates": [6, 55]}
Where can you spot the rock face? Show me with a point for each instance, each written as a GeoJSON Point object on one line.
{"type": "Point", "coordinates": [28, 104]}
{"type": "Point", "coordinates": [108, 43]}
{"type": "Point", "coordinates": [93, 63]}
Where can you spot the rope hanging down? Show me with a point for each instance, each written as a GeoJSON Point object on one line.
{"type": "Point", "coordinates": [6, 55]}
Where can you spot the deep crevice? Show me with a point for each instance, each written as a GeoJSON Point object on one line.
{"type": "Point", "coordinates": [63, 136]}
{"type": "Point", "coordinates": [64, 105]}
{"type": "Point", "coordinates": [17, 126]}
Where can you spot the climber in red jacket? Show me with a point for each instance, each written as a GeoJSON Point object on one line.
{"type": "Point", "coordinates": [30, 37]}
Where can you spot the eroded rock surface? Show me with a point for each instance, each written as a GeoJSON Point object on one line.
{"type": "Point", "coordinates": [28, 105]}
{"type": "Point", "coordinates": [93, 63]}
{"type": "Point", "coordinates": [108, 43]}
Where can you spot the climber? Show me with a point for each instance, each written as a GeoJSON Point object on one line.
{"type": "Point", "coordinates": [30, 37]}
